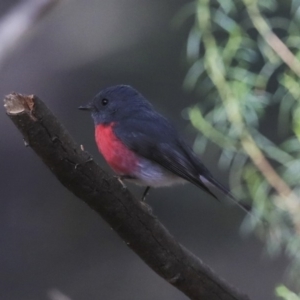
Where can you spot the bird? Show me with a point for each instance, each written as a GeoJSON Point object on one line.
{"type": "Point", "coordinates": [142, 146]}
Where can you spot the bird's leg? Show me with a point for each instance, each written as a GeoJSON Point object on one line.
{"type": "Point", "coordinates": [89, 156]}
{"type": "Point", "coordinates": [120, 179]}
{"type": "Point", "coordinates": [146, 192]}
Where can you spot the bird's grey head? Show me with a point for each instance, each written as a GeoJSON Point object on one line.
{"type": "Point", "coordinates": [115, 103]}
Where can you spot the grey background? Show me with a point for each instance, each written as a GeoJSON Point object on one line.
{"type": "Point", "coordinates": [49, 240]}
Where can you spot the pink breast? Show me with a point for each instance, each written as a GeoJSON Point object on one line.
{"type": "Point", "coordinates": [122, 160]}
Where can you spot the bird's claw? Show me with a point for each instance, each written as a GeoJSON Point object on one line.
{"type": "Point", "coordinates": [119, 178]}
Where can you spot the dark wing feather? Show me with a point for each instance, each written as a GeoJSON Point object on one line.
{"type": "Point", "coordinates": [154, 138]}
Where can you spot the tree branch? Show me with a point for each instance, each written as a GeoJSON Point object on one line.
{"type": "Point", "coordinates": [131, 219]}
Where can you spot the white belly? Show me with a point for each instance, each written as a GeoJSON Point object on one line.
{"type": "Point", "coordinates": [152, 174]}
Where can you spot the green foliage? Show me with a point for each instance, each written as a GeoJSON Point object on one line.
{"type": "Point", "coordinates": [284, 293]}
{"type": "Point", "coordinates": [243, 63]}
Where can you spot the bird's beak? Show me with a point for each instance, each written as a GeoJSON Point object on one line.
{"type": "Point", "coordinates": [88, 107]}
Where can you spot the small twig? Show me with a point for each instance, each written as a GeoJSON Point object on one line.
{"type": "Point", "coordinates": [271, 38]}
{"type": "Point", "coordinates": [131, 219]}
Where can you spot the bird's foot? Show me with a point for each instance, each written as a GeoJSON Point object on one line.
{"type": "Point", "coordinates": [145, 194]}
{"type": "Point", "coordinates": [120, 178]}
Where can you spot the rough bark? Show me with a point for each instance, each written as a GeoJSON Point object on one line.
{"type": "Point", "coordinates": [130, 218]}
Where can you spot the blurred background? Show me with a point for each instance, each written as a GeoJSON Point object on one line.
{"type": "Point", "coordinates": [52, 246]}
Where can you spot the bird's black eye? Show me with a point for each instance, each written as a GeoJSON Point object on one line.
{"type": "Point", "coordinates": [104, 101]}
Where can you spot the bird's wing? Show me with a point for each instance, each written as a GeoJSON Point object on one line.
{"type": "Point", "coordinates": [157, 140]}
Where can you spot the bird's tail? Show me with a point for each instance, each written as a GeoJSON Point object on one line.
{"type": "Point", "coordinates": [209, 181]}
